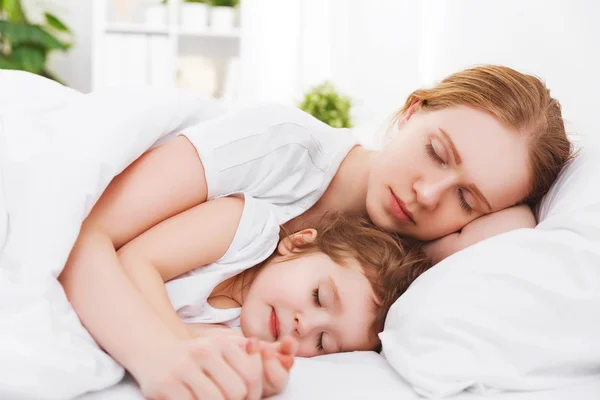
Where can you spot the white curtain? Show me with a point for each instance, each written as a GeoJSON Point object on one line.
{"type": "Point", "coordinates": [378, 51]}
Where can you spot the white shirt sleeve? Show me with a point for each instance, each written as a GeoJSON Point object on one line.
{"type": "Point", "coordinates": [270, 152]}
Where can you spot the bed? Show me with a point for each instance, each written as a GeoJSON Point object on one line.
{"type": "Point", "coordinates": [363, 376]}
{"type": "Point", "coordinates": [514, 317]}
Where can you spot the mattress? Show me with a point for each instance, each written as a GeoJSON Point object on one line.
{"type": "Point", "coordinates": [363, 375]}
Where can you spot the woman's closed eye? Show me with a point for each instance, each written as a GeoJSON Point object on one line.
{"type": "Point", "coordinates": [430, 149]}
{"type": "Point", "coordinates": [434, 155]}
{"type": "Point", "coordinates": [463, 202]}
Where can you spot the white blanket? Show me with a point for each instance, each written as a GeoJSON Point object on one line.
{"type": "Point", "coordinates": [59, 149]}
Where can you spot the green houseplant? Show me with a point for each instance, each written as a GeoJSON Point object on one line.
{"type": "Point", "coordinates": [25, 45]}
{"type": "Point", "coordinates": [224, 3]}
{"type": "Point", "coordinates": [327, 105]}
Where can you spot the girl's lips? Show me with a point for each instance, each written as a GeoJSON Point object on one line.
{"type": "Point", "coordinates": [274, 325]}
{"type": "Point", "coordinates": [399, 209]}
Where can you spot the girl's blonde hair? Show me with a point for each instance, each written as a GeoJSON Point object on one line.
{"type": "Point", "coordinates": [390, 262]}
{"type": "Point", "coordinates": [520, 102]}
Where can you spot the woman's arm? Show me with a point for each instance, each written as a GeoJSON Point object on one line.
{"type": "Point", "coordinates": [191, 239]}
{"type": "Point", "coordinates": [482, 228]}
{"type": "Point", "coordinates": [161, 183]}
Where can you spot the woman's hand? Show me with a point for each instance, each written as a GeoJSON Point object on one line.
{"type": "Point", "coordinates": [214, 368]}
{"type": "Point", "coordinates": [482, 228]}
{"type": "Point", "coordinates": [278, 359]}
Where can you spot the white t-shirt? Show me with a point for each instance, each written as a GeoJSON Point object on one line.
{"type": "Point", "coordinates": [281, 160]}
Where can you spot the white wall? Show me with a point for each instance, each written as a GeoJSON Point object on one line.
{"type": "Point", "coordinates": [378, 51]}
{"type": "Point", "coordinates": [74, 67]}
{"type": "Point", "coordinates": [556, 40]}
{"type": "Point", "coordinates": [382, 50]}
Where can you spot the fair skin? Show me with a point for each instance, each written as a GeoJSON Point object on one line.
{"type": "Point", "coordinates": [169, 183]}
{"type": "Point", "coordinates": [334, 321]}
{"type": "Point", "coordinates": [199, 236]}
{"type": "Point", "coordinates": [326, 307]}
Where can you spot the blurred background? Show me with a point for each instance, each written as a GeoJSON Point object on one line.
{"type": "Point", "coordinates": [349, 62]}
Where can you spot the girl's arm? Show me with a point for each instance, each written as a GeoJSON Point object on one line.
{"type": "Point", "coordinates": [482, 228]}
{"type": "Point", "coordinates": [194, 238]}
{"type": "Point", "coordinates": [191, 239]}
{"type": "Point", "coordinates": [161, 183]}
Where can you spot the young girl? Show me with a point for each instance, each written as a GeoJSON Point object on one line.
{"type": "Point", "coordinates": [446, 165]}
{"type": "Point", "coordinates": [328, 287]}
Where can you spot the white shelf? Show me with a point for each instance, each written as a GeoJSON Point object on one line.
{"type": "Point", "coordinates": [148, 50]}
{"type": "Point", "coordinates": [136, 29]}
{"type": "Point", "coordinates": [157, 30]}
{"type": "Point", "coordinates": [233, 34]}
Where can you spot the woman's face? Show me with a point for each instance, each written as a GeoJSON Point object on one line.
{"type": "Point", "coordinates": [445, 168]}
{"type": "Point", "coordinates": [328, 308]}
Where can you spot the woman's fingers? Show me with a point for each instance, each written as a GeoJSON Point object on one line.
{"type": "Point", "coordinates": [172, 392]}
{"type": "Point", "coordinates": [253, 350]}
{"type": "Point", "coordinates": [231, 384]}
{"type": "Point", "coordinates": [276, 375]}
{"type": "Point", "coordinates": [248, 365]}
{"type": "Point", "coordinates": [201, 386]}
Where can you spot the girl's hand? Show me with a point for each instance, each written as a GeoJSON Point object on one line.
{"type": "Point", "coordinates": [278, 359]}
{"type": "Point", "coordinates": [217, 368]}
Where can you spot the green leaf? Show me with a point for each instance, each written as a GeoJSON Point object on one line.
{"type": "Point", "coordinates": [56, 23]}
{"type": "Point", "coordinates": [18, 34]}
{"type": "Point", "coordinates": [14, 11]}
{"type": "Point", "coordinates": [31, 58]}
{"type": "Point", "coordinates": [325, 104]}
{"type": "Point", "coordinates": [224, 3]}
{"type": "Point", "coordinates": [6, 62]}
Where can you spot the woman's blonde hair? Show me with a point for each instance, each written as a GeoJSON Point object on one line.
{"type": "Point", "coordinates": [520, 102]}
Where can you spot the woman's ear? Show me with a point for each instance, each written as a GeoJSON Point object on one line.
{"type": "Point", "coordinates": [412, 110]}
{"type": "Point", "coordinates": [290, 243]}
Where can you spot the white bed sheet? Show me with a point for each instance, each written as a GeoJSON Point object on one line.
{"type": "Point", "coordinates": [362, 375]}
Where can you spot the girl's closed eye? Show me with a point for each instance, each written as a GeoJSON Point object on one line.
{"type": "Point", "coordinates": [316, 298]}
{"type": "Point", "coordinates": [320, 342]}
{"type": "Point", "coordinates": [317, 301]}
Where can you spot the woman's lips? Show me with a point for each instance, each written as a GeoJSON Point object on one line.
{"type": "Point", "coordinates": [399, 209]}
{"type": "Point", "coordinates": [274, 324]}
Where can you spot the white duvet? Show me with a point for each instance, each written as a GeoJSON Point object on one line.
{"type": "Point", "coordinates": [59, 149]}
{"type": "Point", "coordinates": [520, 312]}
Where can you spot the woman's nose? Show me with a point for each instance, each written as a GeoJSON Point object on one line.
{"type": "Point", "coordinates": [430, 191]}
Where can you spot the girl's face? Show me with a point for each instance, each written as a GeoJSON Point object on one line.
{"type": "Point", "coordinates": [444, 169]}
{"type": "Point", "coordinates": [325, 306]}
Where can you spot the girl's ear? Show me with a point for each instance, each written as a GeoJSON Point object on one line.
{"type": "Point", "coordinates": [290, 243]}
{"type": "Point", "coordinates": [412, 110]}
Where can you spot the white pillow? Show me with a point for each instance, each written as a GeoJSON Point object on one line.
{"type": "Point", "coordinates": [520, 311]}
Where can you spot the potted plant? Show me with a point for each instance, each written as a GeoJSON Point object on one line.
{"type": "Point", "coordinates": [324, 103]}
{"type": "Point", "coordinates": [223, 15]}
{"type": "Point", "coordinates": [194, 15]}
{"type": "Point", "coordinates": [25, 45]}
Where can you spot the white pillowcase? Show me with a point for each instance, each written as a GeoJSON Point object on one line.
{"type": "Point", "coordinates": [520, 311]}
